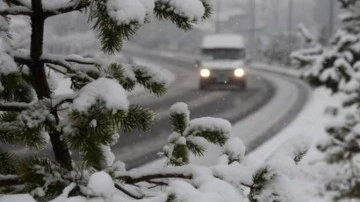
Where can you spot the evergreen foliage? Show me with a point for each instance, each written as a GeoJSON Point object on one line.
{"type": "Point", "coordinates": [31, 114]}
{"type": "Point", "coordinates": [80, 128]}
{"type": "Point", "coordinates": [336, 67]}
{"type": "Point", "coordinates": [189, 136]}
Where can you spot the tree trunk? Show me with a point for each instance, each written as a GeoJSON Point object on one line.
{"type": "Point", "coordinates": [42, 89]}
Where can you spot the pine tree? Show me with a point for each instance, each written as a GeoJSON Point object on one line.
{"type": "Point", "coordinates": [87, 123]}
{"type": "Point", "coordinates": [337, 67]}
{"type": "Point", "coordinates": [30, 112]}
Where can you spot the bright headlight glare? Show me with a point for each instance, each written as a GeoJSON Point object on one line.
{"type": "Point", "coordinates": [205, 73]}
{"type": "Point", "coordinates": [239, 72]}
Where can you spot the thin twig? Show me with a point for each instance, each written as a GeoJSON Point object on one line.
{"type": "Point", "coordinates": [16, 10]}
{"type": "Point", "coordinates": [134, 180]}
{"type": "Point", "coordinates": [128, 193]}
{"type": "Point", "coordinates": [13, 107]}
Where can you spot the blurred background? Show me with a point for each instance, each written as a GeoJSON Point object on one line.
{"type": "Point", "coordinates": [269, 26]}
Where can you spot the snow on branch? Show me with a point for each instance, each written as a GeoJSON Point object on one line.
{"type": "Point", "coordinates": [57, 9]}
{"type": "Point", "coordinates": [25, 3]}
{"type": "Point", "coordinates": [13, 106]}
{"type": "Point", "coordinates": [305, 33]}
{"type": "Point", "coordinates": [80, 60]}
{"type": "Point", "coordinates": [128, 192]}
{"type": "Point", "coordinates": [23, 56]}
{"type": "Point", "coordinates": [16, 10]}
{"type": "Point", "coordinates": [9, 180]}
{"type": "Point", "coordinates": [146, 178]}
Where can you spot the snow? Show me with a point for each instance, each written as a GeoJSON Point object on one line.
{"type": "Point", "coordinates": [181, 141]}
{"type": "Point", "coordinates": [35, 116]}
{"type": "Point", "coordinates": [154, 74]}
{"type": "Point", "coordinates": [192, 9]}
{"type": "Point", "coordinates": [7, 63]}
{"type": "Point", "coordinates": [127, 11]}
{"type": "Point", "coordinates": [101, 184]}
{"type": "Point", "coordinates": [168, 76]}
{"type": "Point", "coordinates": [109, 156]}
{"type": "Point", "coordinates": [17, 198]}
{"type": "Point", "coordinates": [209, 123]}
{"type": "Point", "coordinates": [223, 41]}
{"type": "Point", "coordinates": [149, 5]}
{"type": "Point", "coordinates": [106, 90]}
{"type": "Point", "coordinates": [180, 108]}
{"type": "Point", "coordinates": [235, 149]}
{"type": "Point", "coordinates": [212, 190]}
{"type": "Point", "coordinates": [307, 127]}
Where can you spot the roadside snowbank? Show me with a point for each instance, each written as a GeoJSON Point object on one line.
{"type": "Point", "coordinates": [309, 124]}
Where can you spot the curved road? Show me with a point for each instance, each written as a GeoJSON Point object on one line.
{"type": "Point", "coordinates": [285, 95]}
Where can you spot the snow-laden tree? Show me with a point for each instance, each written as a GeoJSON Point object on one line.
{"type": "Point", "coordinates": [79, 128]}
{"type": "Point", "coordinates": [337, 67]}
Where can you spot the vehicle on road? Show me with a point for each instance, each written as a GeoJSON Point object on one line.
{"type": "Point", "coordinates": [223, 61]}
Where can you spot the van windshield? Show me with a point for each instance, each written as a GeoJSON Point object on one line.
{"type": "Point", "coordinates": [223, 54]}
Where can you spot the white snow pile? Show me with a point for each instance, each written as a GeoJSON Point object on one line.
{"type": "Point", "coordinates": [180, 108]}
{"type": "Point", "coordinates": [312, 172]}
{"type": "Point", "coordinates": [106, 90]}
{"type": "Point", "coordinates": [212, 190]}
{"type": "Point", "coordinates": [127, 11]}
{"type": "Point", "coordinates": [101, 184]}
{"type": "Point", "coordinates": [235, 149]}
{"type": "Point", "coordinates": [209, 123]}
{"type": "Point", "coordinates": [17, 198]}
{"type": "Point", "coordinates": [7, 63]}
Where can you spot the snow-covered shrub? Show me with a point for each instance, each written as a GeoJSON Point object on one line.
{"type": "Point", "coordinates": [336, 67]}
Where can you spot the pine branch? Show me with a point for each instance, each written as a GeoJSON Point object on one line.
{"type": "Point", "coordinates": [80, 60]}
{"type": "Point", "coordinates": [65, 99]}
{"type": "Point", "coordinates": [157, 183]}
{"type": "Point", "coordinates": [25, 3]}
{"type": "Point", "coordinates": [145, 178]}
{"type": "Point", "coordinates": [10, 181]}
{"type": "Point", "coordinates": [128, 193]}
{"type": "Point", "coordinates": [23, 57]}
{"type": "Point", "coordinates": [16, 10]}
{"type": "Point", "coordinates": [73, 6]}
{"type": "Point", "coordinates": [13, 107]}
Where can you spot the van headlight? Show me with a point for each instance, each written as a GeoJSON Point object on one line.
{"type": "Point", "coordinates": [239, 72]}
{"type": "Point", "coordinates": [205, 73]}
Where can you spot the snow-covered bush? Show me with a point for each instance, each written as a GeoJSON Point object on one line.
{"type": "Point", "coordinates": [337, 67]}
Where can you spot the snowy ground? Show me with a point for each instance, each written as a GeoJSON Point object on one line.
{"type": "Point", "coordinates": [309, 124]}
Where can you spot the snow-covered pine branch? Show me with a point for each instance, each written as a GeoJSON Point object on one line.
{"type": "Point", "coordinates": [336, 66]}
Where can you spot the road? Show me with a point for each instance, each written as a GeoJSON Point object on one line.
{"type": "Point", "coordinates": [288, 96]}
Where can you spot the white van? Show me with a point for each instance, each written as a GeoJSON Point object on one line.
{"type": "Point", "coordinates": [223, 60]}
